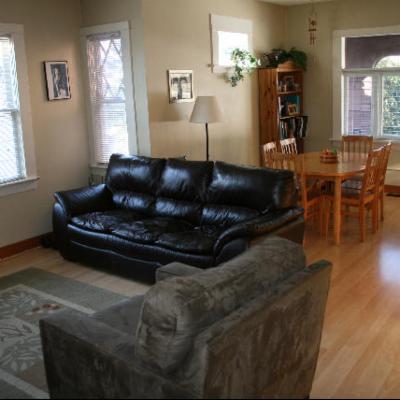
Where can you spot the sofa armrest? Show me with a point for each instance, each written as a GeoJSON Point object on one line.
{"type": "Point", "coordinates": [175, 270]}
{"type": "Point", "coordinates": [81, 201]}
{"type": "Point", "coordinates": [85, 358]}
{"type": "Point", "coordinates": [258, 226]}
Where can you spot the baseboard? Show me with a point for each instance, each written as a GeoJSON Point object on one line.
{"type": "Point", "coordinates": [16, 248]}
{"type": "Point", "coordinates": [392, 189]}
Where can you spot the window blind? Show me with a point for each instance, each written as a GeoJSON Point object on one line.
{"type": "Point", "coordinates": [12, 160]}
{"type": "Point", "coordinates": [107, 95]}
{"type": "Point", "coordinates": [359, 104]}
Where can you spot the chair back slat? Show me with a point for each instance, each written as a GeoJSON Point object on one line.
{"type": "Point", "coordinates": [294, 163]}
{"type": "Point", "coordinates": [385, 163]}
{"type": "Point", "coordinates": [267, 149]}
{"type": "Point", "coordinates": [289, 146]}
{"type": "Point", "coordinates": [372, 171]}
{"type": "Point", "coordinates": [356, 145]}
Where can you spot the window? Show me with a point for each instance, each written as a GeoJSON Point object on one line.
{"type": "Point", "coordinates": [228, 34]}
{"type": "Point", "coordinates": [370, 94]}
{"type": "Point", "coordinates": [17, 164]}
{"type": "Point", "coordinates": [12, 160]}
{"type": "Point", "coordinates": [110, 97]}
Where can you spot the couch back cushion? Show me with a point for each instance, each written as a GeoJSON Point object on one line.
{"type": "Point", "coordinates": [135, 174]}
{"type": "Point", "coordinates": [185, 180]}
{"type": "Point", "coordinates": [182, 189]}
{"type": "Point", "coordinates": [260, 189]}
{"type": "Point", "coordinates": [175, 311]}
{"type": "Point", "coordinates": [134, 181]}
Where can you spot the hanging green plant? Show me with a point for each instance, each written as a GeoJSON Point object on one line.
{"type": "Point", "coordinates": [244, 63]}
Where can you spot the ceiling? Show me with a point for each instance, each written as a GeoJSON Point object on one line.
{"type": "Point", "coordinates": [293, 2]}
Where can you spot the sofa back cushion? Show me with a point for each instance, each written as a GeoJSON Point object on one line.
{"type": "Point", "coordinates": [175, 311]}
{"type": "Point", "coordinates": [185, 180]}
{"type": "Point", "coordinates": [261, 189]}
{"type": "Point", "coordinates": [134, 181]}
{"type": "Point", "coordinates": [133, 173]}
{"type": "Point", "coordinates": [182, 189]}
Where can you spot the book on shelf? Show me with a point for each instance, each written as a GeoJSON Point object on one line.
{"type": "Point", "coordinates": [289, 105]}
{"type": "Point", "coordinates": [293, 127]}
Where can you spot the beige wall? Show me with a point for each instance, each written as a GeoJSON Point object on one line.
{"type": "Point", "coordinates": [99, 12]}
{"type": "Point", "coordinates": [177, 36]}
{"type": "Point", "coordinates": [51, 33]}
{"type": "Point", "coordinates": [339, 14]}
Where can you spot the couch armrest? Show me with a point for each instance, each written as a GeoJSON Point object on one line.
{"type": "Point", "coordinates": [175, 270]}
{"type": "Point", "coordinates": [85, 358]}
{"type": "Point", "coordinates": [258, 226]}
{"type": "Point", "coordinates": [81, 201]}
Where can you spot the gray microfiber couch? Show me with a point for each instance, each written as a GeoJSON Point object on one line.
{"type": "Point", "coordinates": [250, 328]}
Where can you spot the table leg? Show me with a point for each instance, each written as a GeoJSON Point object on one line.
{"type": "Point", "coordinates": [337, 210]}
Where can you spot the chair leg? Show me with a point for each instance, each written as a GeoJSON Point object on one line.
{"type": "Point", "coordinates": [362, 223]}
{"type": "Point", "coordinates": [327, 214]}
{"type": "Point", "coordinates": [382, 204]}
{"type": "Point", "coordinates": [321, 206]}
{"type": "Point", "coordinates": [375, 215]}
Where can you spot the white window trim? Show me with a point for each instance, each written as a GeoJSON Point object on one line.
{"type": "Point", "coordinates": [339, 37]}
{"type": "Point", "coordinates": [123, 28]}
{"type": "Point", "coordinates": [227, 24]}
{"type": "Point", "coordinates": [30, 182]}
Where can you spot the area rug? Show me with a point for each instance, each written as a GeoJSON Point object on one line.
{"type": "Point", "coordinates": [26, 297]}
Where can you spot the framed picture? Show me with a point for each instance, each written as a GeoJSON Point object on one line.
{"type": "Point", "coordinates": [292, 109]}
{"type": "Point", "coordinates": [57, 80]}
{"type": "Point", "coordinates": [288, 82]}
{"type": "Point", "coordinates": [180, 86]}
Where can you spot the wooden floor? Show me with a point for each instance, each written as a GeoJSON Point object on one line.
{"type": "Point", "coordinates": [360, 352]}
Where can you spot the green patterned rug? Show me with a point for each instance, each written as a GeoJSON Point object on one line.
{"type": "Point", "coordinates": [26, 297]}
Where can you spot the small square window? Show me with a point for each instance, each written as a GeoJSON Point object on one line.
{"type": "Point", "coordinates": [228, 34]}
{"type": "Point", "coordinates": [229, 41]}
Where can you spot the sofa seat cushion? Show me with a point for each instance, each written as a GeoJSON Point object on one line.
{"type": "Point", "coordinates": [200, 240]}
{"type": "Point", "coordinates": [133, 250]}
{"type": "Point", "coordinates": [149, 230]}
{"type": "Point", "coordinates": [225, 216]}
{"type": "Point", "coordinates": [123, 316]}
{"type": "Point", "coordinates": [104, 221]}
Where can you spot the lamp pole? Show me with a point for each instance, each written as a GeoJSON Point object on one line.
{"type": "Point", "coordinates": [207, 143]}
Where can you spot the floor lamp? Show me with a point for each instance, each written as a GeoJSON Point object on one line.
{"type": "Point", "coordinates": [206, 111]}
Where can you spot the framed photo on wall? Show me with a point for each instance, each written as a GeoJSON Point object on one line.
{"type": "Point", "coordinates": [57, 80]}
{"type": "Point", "coordinates": [180, 83]}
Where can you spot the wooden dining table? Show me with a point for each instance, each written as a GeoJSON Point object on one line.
{"type": "Point", "coordinates": [347, 166]}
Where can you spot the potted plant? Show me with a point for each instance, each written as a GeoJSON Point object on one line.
{"type": "Point", "coordinates": [244, 63]}
{"type": "Point", "coordinates": [281, 58]}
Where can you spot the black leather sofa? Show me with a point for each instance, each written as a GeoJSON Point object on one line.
{"type": "Point", "coordinates": [152, 212]}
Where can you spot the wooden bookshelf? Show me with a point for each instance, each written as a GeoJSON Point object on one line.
{"type": "Point", "coordinates": [277, 86]}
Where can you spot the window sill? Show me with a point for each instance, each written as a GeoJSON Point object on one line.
{"type": "Point", "coordinates": [25, 185]}
{"type": "Point", "coordinates": [396, 142]}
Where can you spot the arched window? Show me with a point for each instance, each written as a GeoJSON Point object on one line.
{"type": "Point", "coordinates": [371, 86]}
{"type": "Point", "coordinates": [388, 62]}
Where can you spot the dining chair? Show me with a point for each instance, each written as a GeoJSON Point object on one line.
{"type": "Point", "coordinates": [267, 149]}
{"type": "Point", "coordinates": [357, 145]}
{"type": "Point", "coordinates": [361, 194]}
{"type": "Point", "coordinates": [310, 196]}
{"type": "Point", "coordinates": [289, 146]}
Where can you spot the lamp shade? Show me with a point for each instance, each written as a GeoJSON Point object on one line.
{"type": "Point", "coordinates": [206, 110]}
